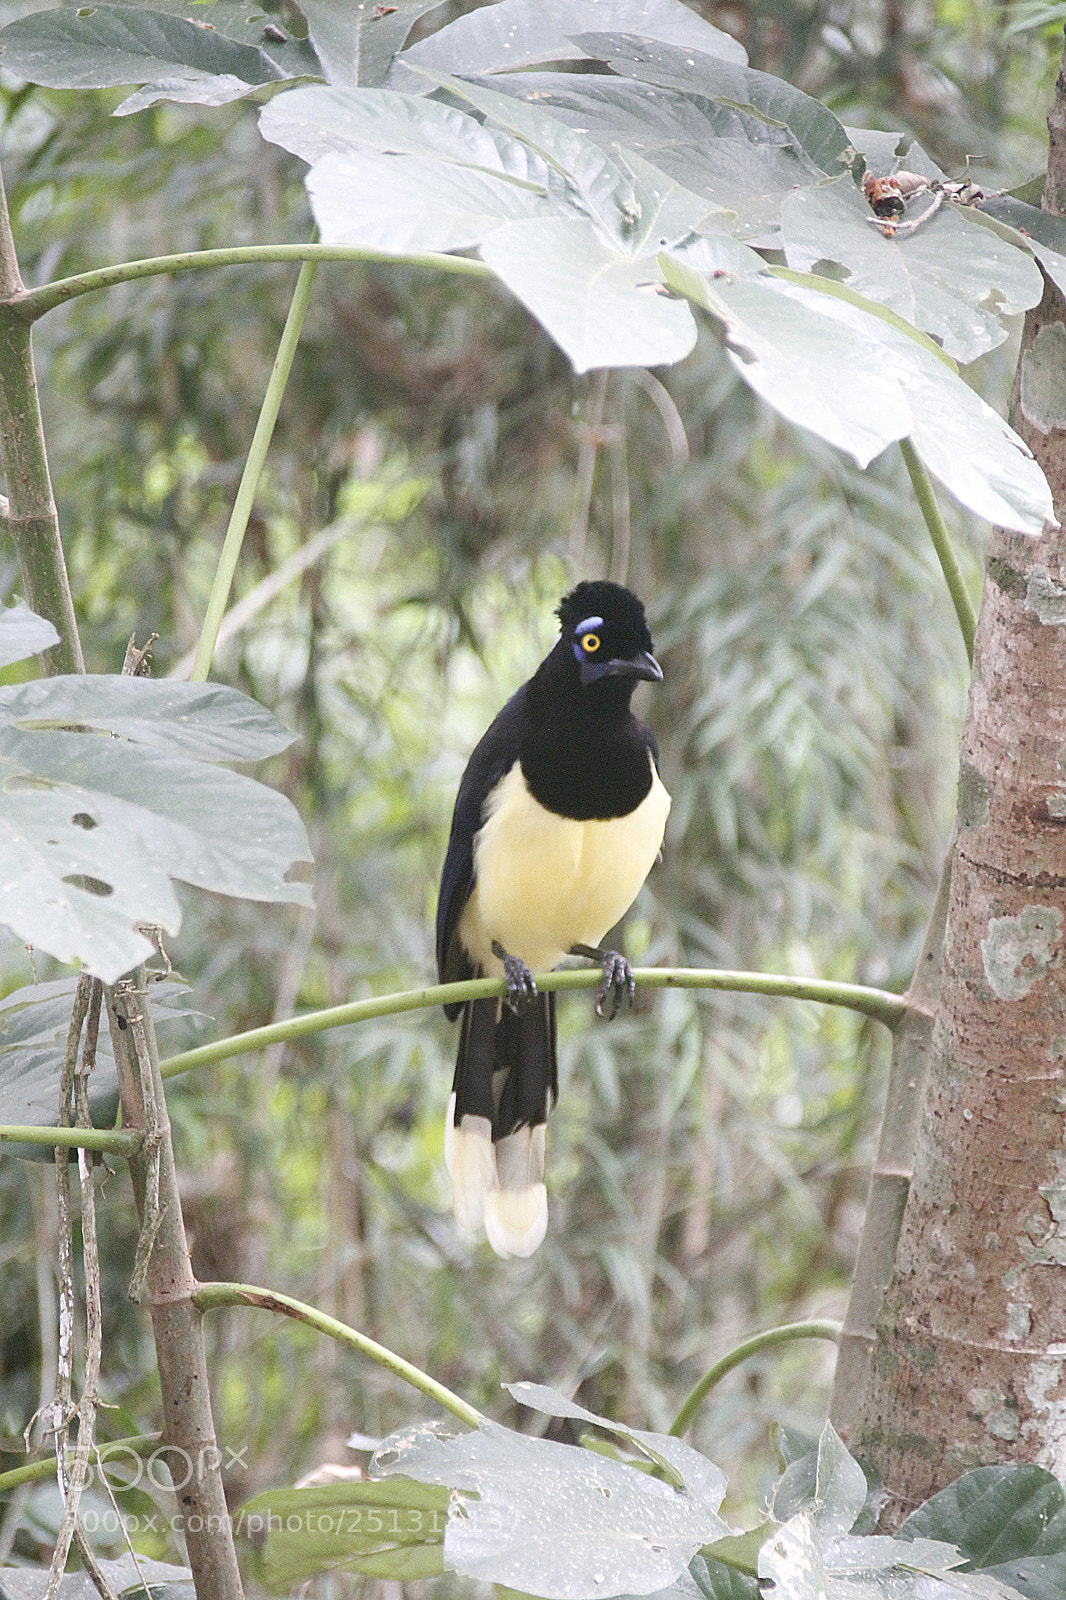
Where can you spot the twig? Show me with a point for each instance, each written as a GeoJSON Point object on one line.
{"type": "Point", "coordinates": [253, 470]}
{"type": "Point", "coordinates": [62, 1409]}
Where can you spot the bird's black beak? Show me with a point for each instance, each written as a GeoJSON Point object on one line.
{"type": "Point", "coordinates": [643, 665]}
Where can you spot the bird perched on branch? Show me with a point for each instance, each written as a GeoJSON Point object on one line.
{"type": "Point", "coordinates": [559, 818]}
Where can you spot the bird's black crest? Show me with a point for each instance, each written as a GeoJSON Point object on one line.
{"type": "Point", "coordinates": [619, 608]}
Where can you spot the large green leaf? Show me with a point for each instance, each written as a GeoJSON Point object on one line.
{"type": "Point", "coordinates": [401, 206]}
{"type": "Point", "coordinates": [692, 1471]}
{"type": "Point", "coordinates": [102, 803]}
{"type": "Point", "coordinates": [355, 44]}
{"type": "Point", "coordinates": [601, 188]}
{"type": "Point", "coordinates": [205, 720]}
{"type": "Point", "coordinates": [1008, 1521]}
{"type": "Point", "coordinates": [313, 120]}
{"type": "Point", "coordinates": [954, 278]}
{"type": "Point", "coordinates": [392, 1530]}
{"type": "Point", "coordinates": [33, 1035]}
{"type": "Point", "coordinates": [810, 125]}
{"type": "Point", "coordinates": [551, 1519]}
{"type": "Point", "coordinates": [732, 155]}
{"type": "Point", "coordinates": [174, 56]}
{"type": "Point", "coordinates": [23, 633]}
{"type": "Point", "coordinates": [602, 306]}
{"type": "Point", "coordinates": [521, 33]}
{"type": "Point", "coordinates": [859, 381]}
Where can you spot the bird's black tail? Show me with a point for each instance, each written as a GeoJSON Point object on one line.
{"type": "Point", "coordinates": [506, 1081]}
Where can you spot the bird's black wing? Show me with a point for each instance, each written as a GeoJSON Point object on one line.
{"type": "Point", "coordinates": [494, 755]}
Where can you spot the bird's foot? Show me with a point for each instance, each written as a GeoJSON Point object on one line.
{"type": "Point", "coordinates": [618, 983]}
{"type": "Point", "coordinates": [521, 988]}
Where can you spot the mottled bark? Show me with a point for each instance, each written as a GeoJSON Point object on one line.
{"type": "Point", "coordinates": [969, 1363]}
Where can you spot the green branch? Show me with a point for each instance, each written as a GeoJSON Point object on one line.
{"type": "Point", "coordinates": [253, 468]}
{"type": "Point", "coordinates": [751, 1347]}
{"type": "Point", "coordinates": [113, 1139]}
{"type": "Point", "coordinates": [210, 1296]}
{"type": "Point", "coordinates": [33, 303]}
{"type": "Point", "coordinates": [960, 595]}
{"type": "Point", "coordinates": [44, 1469]}
{"type": "Point", "coordinates": [879, 1004]}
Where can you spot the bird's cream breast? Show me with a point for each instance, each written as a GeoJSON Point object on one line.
{"type": "Point", "coordinates": [545, 882]}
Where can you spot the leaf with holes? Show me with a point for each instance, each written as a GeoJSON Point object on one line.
{"type": "Point", "coordinates": [103, 802]}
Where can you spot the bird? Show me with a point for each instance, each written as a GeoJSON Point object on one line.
{"type": "Point", "coordinates": [558, 820]}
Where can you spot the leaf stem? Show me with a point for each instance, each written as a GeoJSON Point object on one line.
{"type": "Point", "coordinates": [253, 468]}
{"type": "Point", "coordinates": [750, 1347]}
{"type": "Point", "coordinates": [44, 1469]}
{"type": "Point", "coordinates": [960, 595]}
{"type": "Point", "coordinates": [209, 1296]}
{"type": "Point", "coordinates": [34, 303]}
{"type": "Point", "coordinates": [880, 1004]}
{"type": "Point", "coordinates": [106, 1139]}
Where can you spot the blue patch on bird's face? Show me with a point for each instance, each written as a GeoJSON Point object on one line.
{"type": "Point", "coordinates": [587, 640]}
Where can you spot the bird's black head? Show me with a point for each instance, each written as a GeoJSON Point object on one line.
{"type": "Point", "coordinates": [605, 628]}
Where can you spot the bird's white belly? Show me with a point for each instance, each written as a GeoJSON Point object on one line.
{"type": "Point", "coordinates": [544, 882]}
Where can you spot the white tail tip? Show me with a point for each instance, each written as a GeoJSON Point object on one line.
{"type": "Point", "coordinates": [498, 1186]}
{"type": "Point", "coordinates": [516, 1220]}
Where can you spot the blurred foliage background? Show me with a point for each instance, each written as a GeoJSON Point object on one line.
{"type": "Point", "coordinates": [450, 478]}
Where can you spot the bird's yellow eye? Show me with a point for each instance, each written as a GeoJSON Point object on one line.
{"type": "Point", "coordinates": [590, 642]}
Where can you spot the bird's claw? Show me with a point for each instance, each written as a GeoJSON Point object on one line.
{"type": "Point", "coordinates": [618, 984]}
{"type": "Point", "coordinates": [521, 987]}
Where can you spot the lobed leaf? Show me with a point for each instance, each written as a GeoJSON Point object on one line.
{"type": "Point", "coordinates": [860, 382]}
{"type": "Point", "coordinates": [954, 278]}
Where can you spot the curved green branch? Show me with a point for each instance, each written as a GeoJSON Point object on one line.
{"type": "Point", "coordinates": [879, 1004]}
{"type": "Point", "coordinates": [209, 1296]}
{"type": "Point", "coordinates": [34, 303]}
{"type": "Point", "coordinates": [751, 1347]}
{"type": "Point", "coordinates": [960, 595]}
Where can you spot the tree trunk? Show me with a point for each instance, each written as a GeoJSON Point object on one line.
{"type": "Point", "coordinates": [969, 1362]}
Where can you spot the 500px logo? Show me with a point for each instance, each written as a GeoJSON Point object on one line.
{"type": "Point", "coordinates": [119, 1467]}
